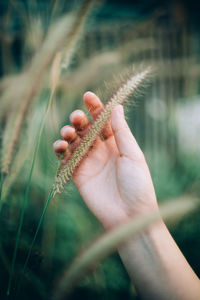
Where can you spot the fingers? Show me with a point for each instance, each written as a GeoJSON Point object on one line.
{"type": "Point", "coordinates": [95, 106]}
{"type": "Point", "coordinates": [80, 122]}
{"type": "Point", "coordinates": [72, 134]}
{"type": "Point", "coordinates": [68, 133]}
{"type": "Point", "coordinates": [124, 139]}
{"type": "Point", "coordinates": [60, 147]}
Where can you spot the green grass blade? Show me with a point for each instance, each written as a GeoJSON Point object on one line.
{"type": "Point", "coordinates": [26, 194]}
{"type": "Point", "coordinates": [34, 239]}
{"type": "Point", "coordinates": [2, 177]}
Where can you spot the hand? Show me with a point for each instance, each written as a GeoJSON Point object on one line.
{"type": "Point", "coordinates": [113, 179]}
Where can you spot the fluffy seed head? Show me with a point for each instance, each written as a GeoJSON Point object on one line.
{"type": "Point", "coordinates": [129, 87]}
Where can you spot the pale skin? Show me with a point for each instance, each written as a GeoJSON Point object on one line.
{"type": "Point", "coordinates": [116, 185]}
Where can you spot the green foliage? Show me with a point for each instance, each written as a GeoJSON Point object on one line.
{"type": "Point", "coordinates": [68, 226]}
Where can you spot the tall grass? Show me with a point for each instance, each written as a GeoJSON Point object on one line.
{"type": "Point", "coordinates": [65, 32]}
{"type": "Point", "coordinates": [125, 90]}
{"type": "Point", "coordinates": [33, 241]}
{"type": "Point", "coordinates": [53, 83]}
{"type": "Point", "coordinates": [54, 78]}
{"type": "Point", "coordinates": [27, 159]}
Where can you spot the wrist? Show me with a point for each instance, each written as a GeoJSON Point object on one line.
{"type": "Point", "coordinates": [126, 214]}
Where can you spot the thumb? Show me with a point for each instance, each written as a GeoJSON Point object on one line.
{"type": "Point", "coordinates": [124, 139]}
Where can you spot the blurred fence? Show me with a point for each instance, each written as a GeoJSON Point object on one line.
{"type": "Point", "coordinates": [173, 50]}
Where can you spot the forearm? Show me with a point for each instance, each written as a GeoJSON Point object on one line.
{"type": "Point", "coordinates": [157, 267]}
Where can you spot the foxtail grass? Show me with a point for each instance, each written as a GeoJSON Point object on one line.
{"type": "Point", "coordinates": [76, 32]}
{"type": "Point", "coordinates": [108, 242]}
{"type": "Point", "coordinates": [73, 36]}
{"type": "Point", "coordinates": [54, 77]}
{"type": "Point", "coordinates": [66, 31]}
{"type": "Point", "coordinates": [132, 85]}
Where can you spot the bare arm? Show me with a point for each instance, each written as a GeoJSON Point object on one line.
{"type": "Point", "coordinates": [158, 268]}
{"type": "Point", "coordinates": [115, 183]}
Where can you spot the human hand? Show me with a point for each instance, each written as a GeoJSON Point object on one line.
{"type": "Point", "coordinates": [113, 179]}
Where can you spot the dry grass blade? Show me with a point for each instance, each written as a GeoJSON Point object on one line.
{"type": "Point", "coordinates": [54, 77]}
{"type": "Point", "coordinates": [108, 242]}
{"type": "Point", "coordinates": [55, 71]}
{"type": "Point", "coordinates": [67, 29]}
{"type": "Point", "coordinates": [76, 31]}
{"type": "Point", "coordinates": [21, 157]}
{"type": "Point", "coordinates": [129, 87]}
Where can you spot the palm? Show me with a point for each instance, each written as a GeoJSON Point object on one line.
{"type": "Point", "coordinates": [100, 180]}
{"type": "Point", "coordinates": [113, 179]}
{"type": "Point", "coordinates": [97, 162]}
{"type": "Point", "coordinates": [96, 176]}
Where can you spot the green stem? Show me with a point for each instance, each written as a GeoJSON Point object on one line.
{"type": "Point", "coordinates": [34, 239]}
{"type": "Point", "coordinates": [2, 177]}
{"type": "Point", "coordinates": [26, 194]}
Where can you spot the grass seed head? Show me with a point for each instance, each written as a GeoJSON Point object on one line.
{"type": "Point", "coordinates": [126, 89]}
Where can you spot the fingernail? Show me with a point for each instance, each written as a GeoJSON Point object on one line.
{"type": "Point", "coordinates": [60, 145]}
{"type": "Point", "coordinates": [67, 129]}
{"type": "Point", "coordinates": [89, 94]}
{"type": "Point", "coordinates": [75, 114]}
{"type": "Point", "coordinates": [56, 143]}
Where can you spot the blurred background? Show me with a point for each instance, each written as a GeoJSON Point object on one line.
{"type": "Point", "coordinates": [165, 119]}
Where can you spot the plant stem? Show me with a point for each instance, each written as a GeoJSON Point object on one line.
{"type": "Point", "coordinates": [132, 85]}
{"type": "Point", "coordinates": [26, 194]}
{"type": "Point", "coordinates": [34, 239]}
{"type": "Point", "coordinates": [2, 177]}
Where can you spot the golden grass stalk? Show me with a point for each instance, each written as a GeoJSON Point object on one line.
{"type": "Point", "coordinates": [55, 41]}
{"type": "Point", "coordinates": [55, 71]}
{"type": "Point", "coordinates": [109, 241]}
{"type": "Point", "coordinates": [54, 77]}
{"type": "Point", "coordinates": [89, 69]}
{"type": "Point", "coordinates": [34, 33]}
{"type": "Point", "coordinates": [76, 31]}
{"type": "Point", "coordinates": [21, 156]}
{"type": "Point", "coordinates": [10, 87]}
{"type": "Point", "coordinates": [129, 87]}
{"type": "Point", "coordinates": [25, 149]}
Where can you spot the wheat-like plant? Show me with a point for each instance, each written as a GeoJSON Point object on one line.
{"type": "Point", "coordinates": [60, 34]}
{"type": "Point", "coordinates": [75, 32]}
{"type": "Point", "coordinates": [54, 78]}
{"type": "Point", "coordinates": [65, 172]}
{"type": "Point", "coordinates": [129, 87]}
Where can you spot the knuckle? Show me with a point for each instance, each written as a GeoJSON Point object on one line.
{"type": "Point", "coordinates": [96, 111]}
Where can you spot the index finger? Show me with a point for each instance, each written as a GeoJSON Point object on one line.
{"type": "Point", "coordinates": [95, 107]}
